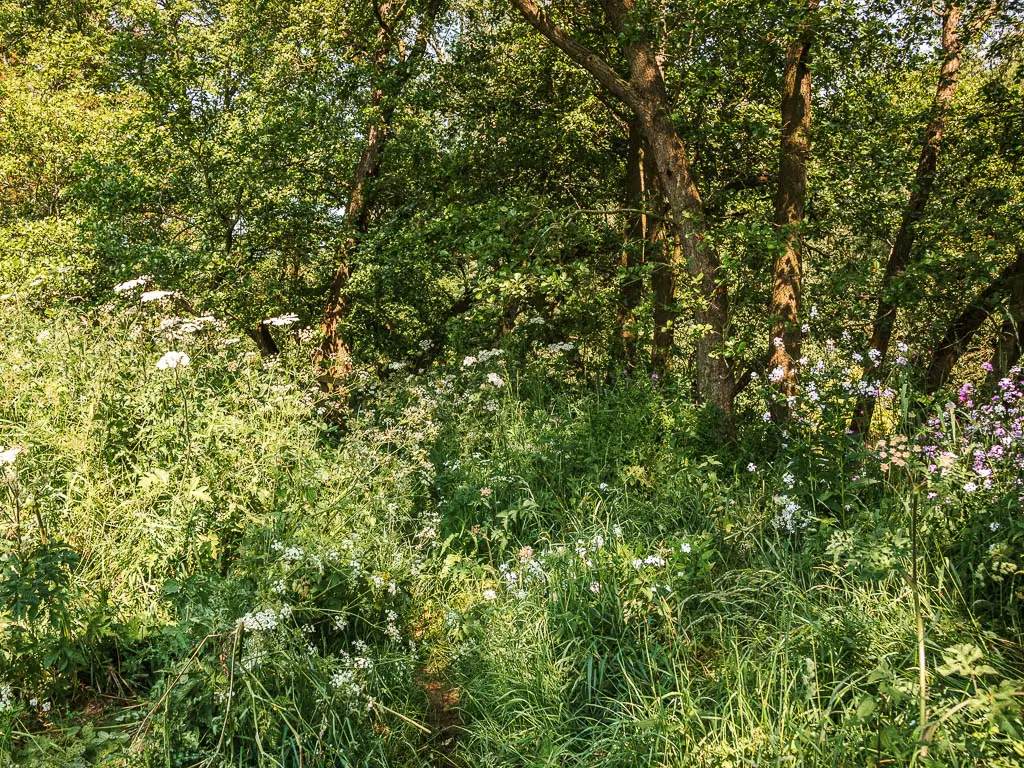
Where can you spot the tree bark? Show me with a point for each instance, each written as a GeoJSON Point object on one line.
{"type": "Point", "coordinates": [646, 96]}
{"type": "Point", "coordinates": [790, 200]}
{"type": "Point", "coordinates": [924, 180]}
{"type": "Point", "coordinates": [639, 230]}
{"type": "Point", "coordinates": [1008, 343]}
{"type": "Point", "coordinates": [333, 357]}
{"type": "Point", "coordinates": [962, 330]}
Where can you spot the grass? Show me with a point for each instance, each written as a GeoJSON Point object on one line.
{"type": "Point", "coordinates": [545, 572]}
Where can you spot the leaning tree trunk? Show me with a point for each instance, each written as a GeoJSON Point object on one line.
{"type": "Point", "coordinates": [1008, 343]}
{"type": "Point", "coordinates": [924, 180]}
{"type": "Point", "coordinates": [965, 326]}
{"type": "Point", "coordinates": [646, 96]}
{"type": "Point", "coordinates": [787, 271]}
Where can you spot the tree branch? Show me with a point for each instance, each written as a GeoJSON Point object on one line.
{"type": "Point", "coordinates": [590, 61]}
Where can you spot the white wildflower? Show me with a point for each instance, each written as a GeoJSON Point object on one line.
{"type": "Point", "coordinates": [282, 320]}
{"type": "Point", "coordinates": [173, 360]}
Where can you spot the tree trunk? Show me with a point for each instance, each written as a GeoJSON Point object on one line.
{"type": "Point", "coordinates": [787, 272]}
{"type": "Point", "coordinates": [638, 178]}
{"type": "Point", "coordinates": [961, 331]}
{"type": "Point", "coordinates": [924, 179]}
{"type": "Point", "coordinates": [715, 383]}
{"type": "Point", "coordinates": [1008, 344]}
{"type": "Point", "coordinates": [333, 358]}
{"type": "Point", "coordinates": [645, 95]}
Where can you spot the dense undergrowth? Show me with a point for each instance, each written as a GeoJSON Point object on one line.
{"type": "Point", "coordinates": [502, 560]}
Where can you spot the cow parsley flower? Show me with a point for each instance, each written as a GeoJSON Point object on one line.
{"type": "Point", "coordinates": [490, 595]}
{"type": "Point", "coordinates": [131, 285]}
{"type": "Point", "coordinates": [8, 456]}
{"type": "Point", "coordinates": [155, 295]}
{"type": "Point", "coordinates": [282, 320]}
{"type": "Point", "coordinates": [173, 360]}
{"type": "Point", "coordinates": [495, 380]}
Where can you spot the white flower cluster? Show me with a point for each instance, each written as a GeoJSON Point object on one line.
{"type": "Point", "coordinates": [173, 360]}
{"type": "Point", "coordinates": [156, 295]}
{"type": "Point", "coordinates": [6, 697]}
{"type": "Point", "coordinates": [9, 455]}
{"type": "Point", "coordinates": [790, 517]}
{"type": "Point", "coordinates": [561, 346]}
{"type": "Point", "coordinates": [495, 380]}
{"type": "Point", "coordinates": [282, 320]}
{"type": "Point", "coordinates": [266, 620]}
{"type": "Point", "coordinates": [131, 285]}
{"type": "Point", "coordinates": [176, 327]}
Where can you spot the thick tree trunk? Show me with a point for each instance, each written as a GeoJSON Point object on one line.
{"type": "Point", "coordinates": [787, 272]}
{"type": "Point", "coordinates": [715, 383]}
{"type": "Point", "coordinates": [924, 180]}
{"type": "Point", "coordinates": [961, 331]}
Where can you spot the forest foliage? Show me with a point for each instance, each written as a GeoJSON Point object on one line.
{"type": "Point", "coordinates": [496, 383]}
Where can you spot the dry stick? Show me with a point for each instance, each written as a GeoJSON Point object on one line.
{"type": "Point", "coordinates": [410, 721]}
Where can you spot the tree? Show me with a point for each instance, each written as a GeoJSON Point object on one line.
{"type": "Point", "coordinates": [392, 66]}
{"type": "Point", "coordinates": [952, 46]}
{"type": "Point", "coordinates": [790, 200]}
{"type": "Point", "coordinates": [644, 93]}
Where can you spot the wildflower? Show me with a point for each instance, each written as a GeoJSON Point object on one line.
{"type": "Point", "coordinates": [396, 366]}
{"type": "Point", "coordinates": [970, 487]}
{"type": "Point", "coordinates": [685, 548]}
{"type": "Point", "coordinates": [485, 492]}
{"type": "Point", "coordinates": [8, 456]}
{"type": "Point", "coordinates": [751, 467]}
{"type": "Point", "coordinates": [805, 328]}
{"type": "Point", "coordinates": [766, 417]}
{"type": "Point", "coordinates": [777, 374]}
{"type": "Point", "coordinates": [603, 487]}
{"type": "Point", "coordinates": [155, 295]}
{"type": "Point", "coordinates": [901, 360]}
{"type": "Point", "coordinates": [902, 347]}
{"type": "Point", "coordinates": [857, 358]}
{"type": "Point", "coordinates": [875, 355]}
{"type": "Point", "coordinates": [490, 595]}
{"type": "Point", "coordinates": [987, 367]}
{"type": "Point", "coordinates": [173, 360]}
{"type": "Point", "coordinates": [778, 342]}
{"type": "Point", "coordinates": [130, 285]}
{"type": "Point", "coordinates": [994, 526]}
{"type": "Point", "coordinates": [814, 312]}
{"type": "Point", "coordinates": [788, 479]}
{"type": "Point", "coordinates": [282, 320]}
{"type": "Point", "coordinates": [617, 531]}
{"type": "Point", "coordinates": [6, 697]}
{"type": "Point", "coordinates": [495, 380]}
{"type": "Point", "coordinates": [469, 361]}
{"type": "Point", "coordinates": [595, 587]}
